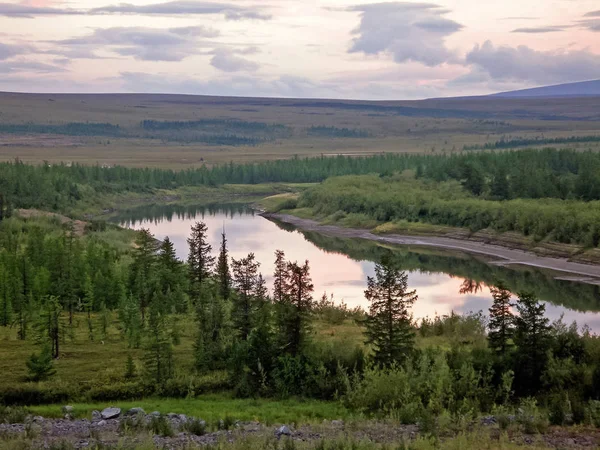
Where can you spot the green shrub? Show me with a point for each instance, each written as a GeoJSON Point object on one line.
{"type": "Point", "coordinates": [195, 426]}
{"type": "Point", "coordinates": [37, 394]}
{"type": "Point", "coordinates": [160, 426]}
{"type": "Point", "coordinates": [119, 391]}
{"type": "Point", "coordinates": [12, 414]}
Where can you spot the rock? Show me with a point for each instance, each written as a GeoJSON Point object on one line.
{"type": "Point", "coordinates": [110, 413]}
{"type": "Point", "coordinates": [173, 416]}
{"type": "Point", "coordinates": [68, 417]}
{"type": "Point", "coordinates": [67, 409]}
{"type": "Point", "coordinates": [135, 412]}
{"type": "Point", "coordinates": [154, 414]}
{"type": "Point", "coordinates": [488, 420]}
{"type": "Point", "coordinates": [183, 418]}
{"type": "Point", "coordinates": [38, 419]}
{"type": "Point", "coordinates": [337, 423]}
{"type": "Point", "coordinates": [101, 423]}
{"type": "Point", "coordinates": [96, 416]}
{"type": "Point", "coordinates": [283, 431]}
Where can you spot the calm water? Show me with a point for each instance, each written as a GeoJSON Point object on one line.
{"type": "Point", "coordinates": [444, 282]}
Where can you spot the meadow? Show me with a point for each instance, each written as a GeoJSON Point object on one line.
{"type": "Point", "coordinates": [189, 131]}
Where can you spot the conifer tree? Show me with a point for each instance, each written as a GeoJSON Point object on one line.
{"type": "Point", "coordinates": [501, 324]}
{"type": "Point", "coordinates": [280, 277]}
{"type": "Point", "coordinates": [158, 356]}
{"type": "Point", "coordinates": [143, 269]}
{"type": "Point", "coordinates": [50, 327]}
{"type": "Point", "coordinates": [200, 261]}
{"type": "Point", "coordinates": [171, 278]}
{"type": "Point", "coordinates": [532, 340]}
{"type": "Point", "coordinates": [40, 366]}
{"type": "Point", "coordinates": [389, 327]}
{"type": "Point", "coordinates": [223, 269]}
{"type": "Point", "coordinates": [245, 277]}
{"type": "Point", "coordinates": [212, 325]}
{"type": "Point", "coordinates": [294, 318]}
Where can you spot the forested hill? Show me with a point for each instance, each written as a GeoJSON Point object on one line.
{"type": "Point", "coordinates": [562, 174]}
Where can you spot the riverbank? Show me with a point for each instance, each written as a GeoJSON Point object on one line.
{"type": "Point", "coordinates": [506, 256]}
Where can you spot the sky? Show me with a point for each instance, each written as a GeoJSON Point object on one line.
{"type": "Point", "coordinates": [357, 49]}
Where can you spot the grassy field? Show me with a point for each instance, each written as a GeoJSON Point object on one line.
{"type": "Point", "coordinates": [443, 126]}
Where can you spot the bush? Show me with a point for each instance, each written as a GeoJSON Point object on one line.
{"type": "Point", "coordinates": [41, 366]}
{"type": "Point", "coordinates": [119, 391]}
{"type": "Point", "coordinates": [37, 394]}
{"type": "Point", "coordinates": [160, 426]}
{"type": "Point", "coordinates": [530, 417]}
{"type": "Point", "coordinates": [10, 414]}
{"type": "Point", "coordinates": [195, 426]}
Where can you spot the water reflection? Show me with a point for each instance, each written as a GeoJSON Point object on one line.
{"type": "Point", "coordinates": [445, 282]}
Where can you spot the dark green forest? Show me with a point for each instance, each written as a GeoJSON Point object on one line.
{"type": "Point", "coordinates": [530, 174]}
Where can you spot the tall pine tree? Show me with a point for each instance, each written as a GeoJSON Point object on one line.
{"type": "Point", "coordinates": [297, 305]}
{"type": "Point", "coordinates": [280, 277]}
{"type": "Point", "coordinates": [501, 324]}
{"type": "Point", "coordinates": [532, 340]}
{"type": "Point", "coordinates": [223, 269]}
{"type": "Point", "coordinates": [245, 278]}
{"type": "Point", "coordinates": [389, 327]}
{"type": "Point", "coordinates": [200, 261]}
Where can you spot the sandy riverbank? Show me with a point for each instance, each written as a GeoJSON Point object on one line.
{"type": "Point", "coordinates": [586, 273]}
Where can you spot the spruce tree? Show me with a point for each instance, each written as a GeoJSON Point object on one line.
{"type": "Point", "coordinates": [200, 261]}
{"type": "Point", "coordinates": [171, 278]}
{"type": "Point", "coordinates": [223, 269]}
{"type": "Point", "coordinates": [532, 340]}
{"type": "Point", "coordinates": [158, 356]}
{"type": "Point", "coordinates": [389, 327]}
{"type": "Point", "coordinates": [297, 304]}
{"type": "Point", "coordinates": [245, 277]}
{"type": "Point", "coordinates": [280, 277]}
{"type": "Point", "coordinates": [212, 326]}
{"type": "Point", "coordinates": [501, 324]}
{"type": "Point", "coordinates": [143, 269]}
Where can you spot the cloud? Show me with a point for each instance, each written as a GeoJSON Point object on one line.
{"type": "Point", "coordinates": [227, 61]}
{"type": "Point", "coordinates": [592, 25]}
{"type": "Point", "coordinates": [528, 65]}
{"type": "Point", "coordinates": [593, 14]}
{"type": "Point", "coordinates": [408, 31]}
{"type": "Point", "coordinates": [26, 11]}
{"type": "Point", "coordinates": [182, 7]}
{"type": "Point", "coordinates": [148, 44]}
{"type": "Point", "coordinates": [8, 51]}
{"type": "Point", "coordinates": [546, 29]}
{"type": "Point", "coordinates": [178, 7]}
{"type": "Point", "coordinates": [28, 67]}
{"type": "Point", "coordinates": [199, 31]}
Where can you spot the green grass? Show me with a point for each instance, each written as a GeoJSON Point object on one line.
{"type": "Point", "coordinates": [214, 407]}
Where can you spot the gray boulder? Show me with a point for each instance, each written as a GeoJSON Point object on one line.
{"type": "Point", "coordinates": [337, 423]}
{"type": "Point", "coordinates": [110, 413]}
{"type": "Point", "coordinates": [135, 412]}
{"type": "Point", "coordinates": [154, 414]}
{"type": "Point", "coordinates": [96, 416]}
{"type": "Point", "coordinates": [283, 431]}
{"type": "Point", "coordinates": [67, 409]}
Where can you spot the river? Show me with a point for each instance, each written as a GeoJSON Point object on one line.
{"type": "Point", "coordinates": [445, 282]}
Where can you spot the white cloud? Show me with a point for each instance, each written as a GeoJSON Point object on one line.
{"type": "Point", "coordinates": [528, 65]}
{"type": "Point", "coordinates": [226, 60]}
{"type": "Point", "coordinates": [149, 44]}
{"type": "Point", "coordinates": [408, 31]}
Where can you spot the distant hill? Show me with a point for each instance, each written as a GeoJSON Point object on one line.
{"type": "Point", "coordinates": [580, 89]}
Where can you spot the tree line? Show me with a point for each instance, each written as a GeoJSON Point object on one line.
{"type": "Point", "coordinates": [563, 174]}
